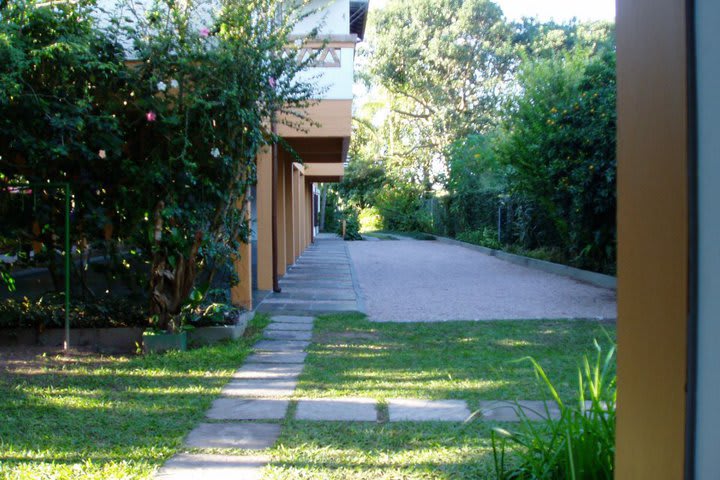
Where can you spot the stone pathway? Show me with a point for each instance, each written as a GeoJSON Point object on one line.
{"type": "Point", "coordinates": [249, 412]}
{"type": "Point", "coordinates": [321, 281]}
{"type": "Point", "coordinates": [240, 419]}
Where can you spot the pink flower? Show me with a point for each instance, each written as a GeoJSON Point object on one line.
{"type": "Point", "coordinates": [151, 116]}
{"type": "Point", "coordinates": [205, 32]}
{"type": "Point", "coordinates": [102, 154]}
{"type": "Point", "coordinates": [272, 82]}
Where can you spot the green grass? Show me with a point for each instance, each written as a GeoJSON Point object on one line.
{"type": "Point", "coordinates": [392, 235]}
{"type": "Point", "coordinates": [474, 361]}
{"type": "Point", "coordinates": [464, 360]}
{"type": "Point", "coordinates": [109, 417]}
{"type": "Point", "coordinates": [369, 451]}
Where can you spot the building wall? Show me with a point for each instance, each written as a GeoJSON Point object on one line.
{"type": "Point", "coordinates": [334, 83]}
{"type": "Point", "coordinates": [652, 239]}
{"type": "Point", "coordinates": [707, 460]}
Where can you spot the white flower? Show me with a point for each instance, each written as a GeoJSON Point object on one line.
{"type": "Point", "coordinates": [215, 152]}
{"type": "Point", "coordinates": [174, 83]}
{"type": "Point", "coordinates": [102, 154]}
{"type": "Point", "coordinates": [161, 86]}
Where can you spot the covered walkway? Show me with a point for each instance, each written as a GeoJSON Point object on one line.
{"type": "Point", "coordinates": [321, 281]}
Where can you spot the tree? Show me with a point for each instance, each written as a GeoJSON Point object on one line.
{"type": "Point", "coordinates": [445, 65]}
{"type": "Point", "coordinates": [61, 84]}
{"type": "Point", "coordinates": [205, 91]}
{"type": "Point", "coordinates": [560, 150]}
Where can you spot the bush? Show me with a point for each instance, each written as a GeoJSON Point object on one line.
{"type": "Point", "coordinates": [580, 444]}
{"type": "Point", "coordinates": [402, 208]}
{"type": "Point", "coordinates": [352, 225]}
{"type": "Point", "coordinates": [485, 238]}
{"type": "Point", "coordinates": [49, 312]}
{"type": "Point", "coordinates": [370, 219]}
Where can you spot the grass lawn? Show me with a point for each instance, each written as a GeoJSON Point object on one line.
{"type": "Point", "coordinates": [474, 361]}
{"type": "Point", "coordinates": [108, 417]}
{"type": "Point", "coordinates": [463, 360]}
{"type": "Point", "coordinates": [371, 451]}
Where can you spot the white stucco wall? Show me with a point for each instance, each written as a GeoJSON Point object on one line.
{"type": "Point", "coordinates": [334, 83]}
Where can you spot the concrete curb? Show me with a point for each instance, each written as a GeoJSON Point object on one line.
{"type": "Point", "coordinates": [593, 278]}
{"type": "Point", "coordinates": [355, 282]}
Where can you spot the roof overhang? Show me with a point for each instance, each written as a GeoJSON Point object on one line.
{"type": "Point", "coordinates": [358, 17]}
{"type": "Point", "coordinates": [324, 172]}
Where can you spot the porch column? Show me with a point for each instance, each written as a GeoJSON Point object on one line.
{"type": "Point", "coordinates": [264, 219]}
{"type": "Point", "coordinates": [241, 293]}
{"type": "Point", "coordinates": [281, 250]}
{"type": "Point", "coordinates": [289, 212]}
{"type": "Point", "coordinates": [297, 229]}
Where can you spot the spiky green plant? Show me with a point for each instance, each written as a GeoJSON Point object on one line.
{"type": "Point", "coordinates": [580, 444]}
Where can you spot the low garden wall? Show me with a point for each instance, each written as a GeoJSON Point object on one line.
{"type": "Point", "coordinates": [115, 340]}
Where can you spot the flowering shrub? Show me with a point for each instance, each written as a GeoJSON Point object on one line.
{"type": "Point", "coordinates": [155, 119]}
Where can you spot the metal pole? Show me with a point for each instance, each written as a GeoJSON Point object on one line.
{"type": "Point", "coordinates": [67, 267]}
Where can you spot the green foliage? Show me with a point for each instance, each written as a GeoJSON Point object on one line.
{"type": "Point", "coordinates": [362, 182]}
{"type": "Point", "coordinates": [487, 237]}
{"type": "Point", "coordinates": [446, 81]}
{"type": "Point", "coordinates": [160, 150]}
{"type": "Point", "coordinates": [62, 83]}
{"type": "Point", "coordinates": [581, 444]}
{"type": "Point", "coordinates": [370, 219]}
{"type": "Point", "coordinates": [402, 207]}
{"type": "Point", "coordinates": [49, 312]}
{"type": "Point", "coordinates": [332, 209]}
{"type": "Point", "coordinates": [560, 152]}
{"type": "Point", "coordinates": [203, 94]}
{"type": "Point", "coordinates": [352, 225]}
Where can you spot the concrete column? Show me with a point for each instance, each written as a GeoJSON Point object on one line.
{"type": "Point", "coordinates": [296, 210]}
{"type": "Point", "coordinates": [289, 212]}
{"type": "Point", "coordinates": [308, 213]}
{"type": "Point", "coordinates": [264, 219]}
{"type": "Point", "coordinates": [282, 264]}
{"type": "Point", "coordinates": [301, 216]}
{"type": "Point", "coordinates": [241, 293]}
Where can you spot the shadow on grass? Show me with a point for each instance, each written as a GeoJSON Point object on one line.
{"type": "Point", "coordinates": [138, 409]}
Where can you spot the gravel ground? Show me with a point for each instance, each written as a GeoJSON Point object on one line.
{"type": "Point", "coordinates": [411, 280]}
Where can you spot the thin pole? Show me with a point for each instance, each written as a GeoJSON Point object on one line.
{"type": "Point", "coordinates": [276, 283]}
{"type": "Point", "coordinates": [67, 267]}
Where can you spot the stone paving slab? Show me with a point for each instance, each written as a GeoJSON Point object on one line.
{"type": "Point", "coordinates": [276, 387]}
{"type": "Point", "coordinates": [246, 436]}
{"type": "Point", "coordinates": [277, 357]}
{"type": "Point", "coordinates": [292, 319]}
{"type": "Point", "coordinates": [287, 335]}
{"type": "Point", "coordinates": [413, 410]}
{"type": "Point", "coordinates": [280, 346]}
{"type": "Point", "coordinates": [248, 409]}
{"type": "Point", "coordinates": [337, 409]}
{"type": "Point", "coordinates": [269, 370]}
{"type": "Point", "coordinates": [187, 466]}
{"type": "Point", "coordinates": [316, 284]}
{"type": "Point", "coordinates": [298, 327]}
{"type": "Point", "coordinates": [503, 411]}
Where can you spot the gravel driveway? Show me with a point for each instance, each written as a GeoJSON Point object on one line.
{"type": "Point", "coordinates": [412, 280]}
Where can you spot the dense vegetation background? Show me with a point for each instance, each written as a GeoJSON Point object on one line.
{"type": "Point", "coordinates": [495, 132]}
